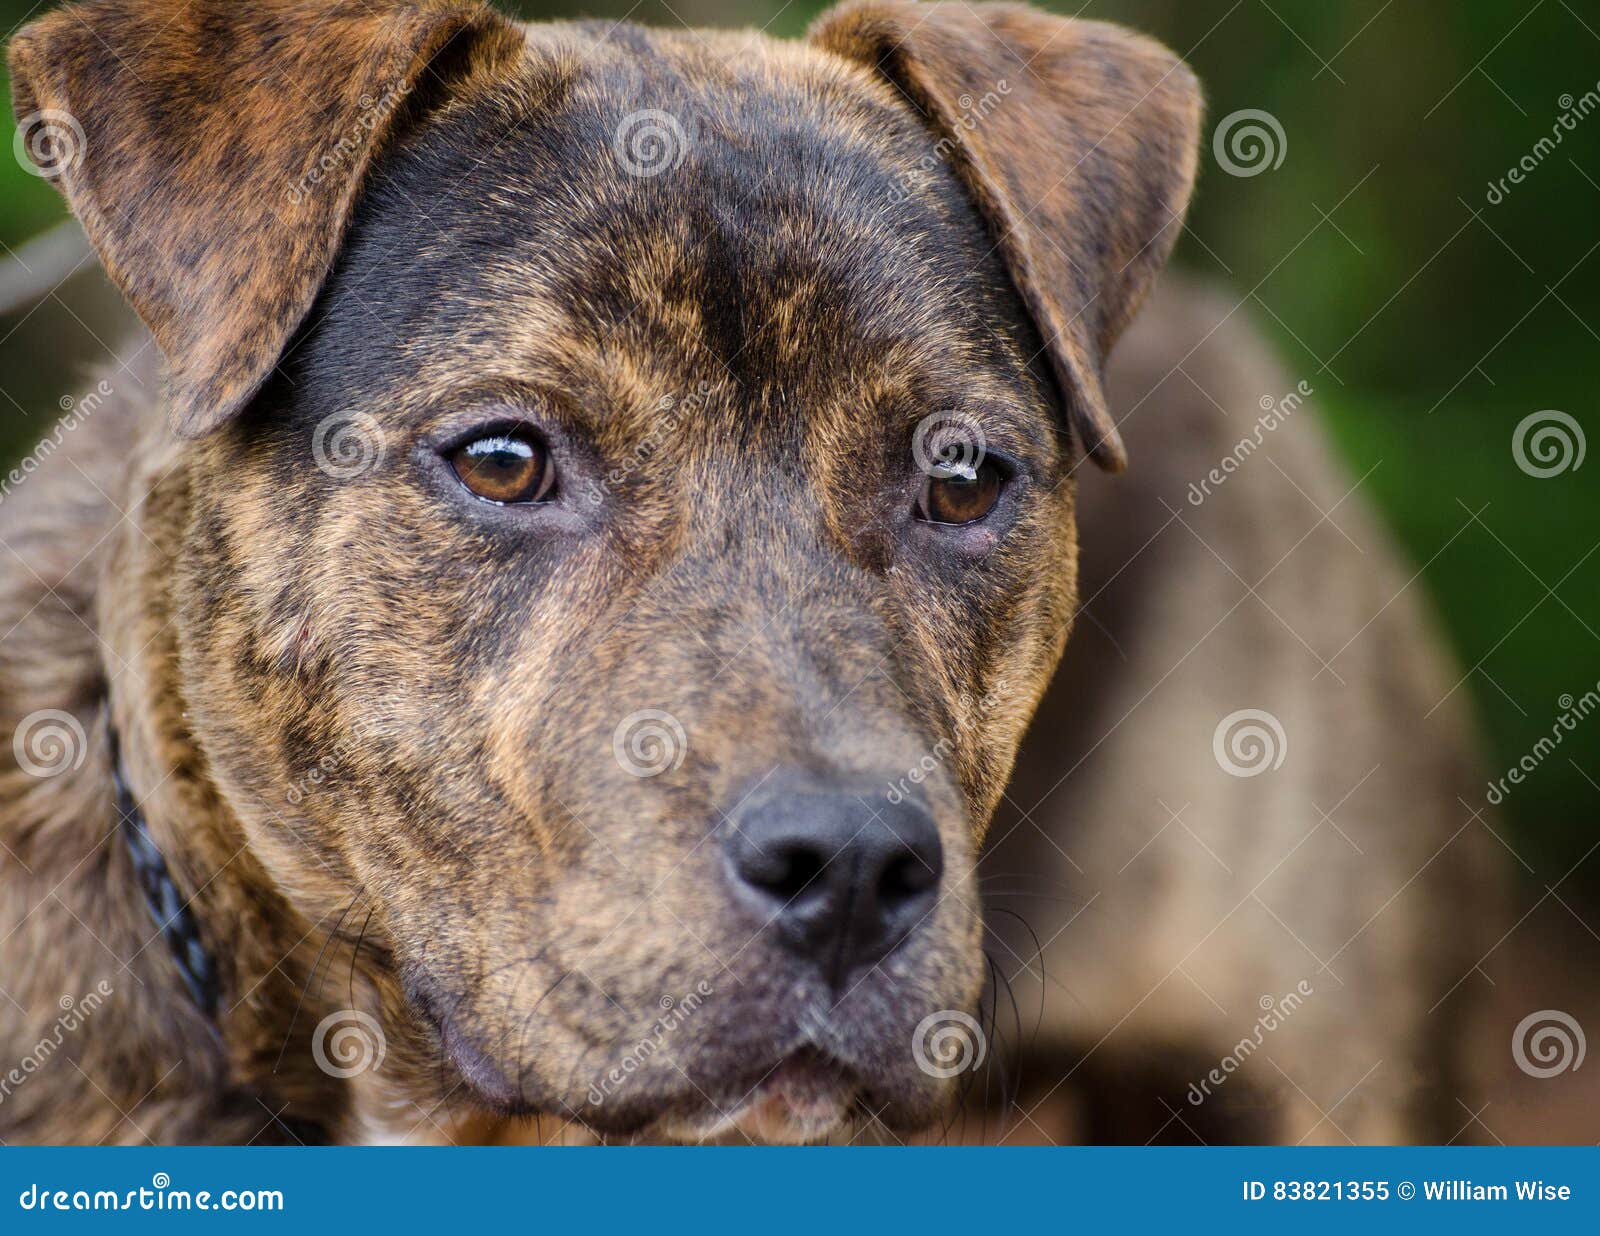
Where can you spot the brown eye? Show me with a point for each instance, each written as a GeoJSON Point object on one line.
{"type": "Point", "coordinates": [504, 468]}
{"type": "Point", "coordinates": [959, 494]}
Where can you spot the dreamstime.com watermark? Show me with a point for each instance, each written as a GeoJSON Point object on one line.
{"type": "Point", "coordinates": [970, 711]}
{"type": "Point", "coordinates": [74, 1013]}
{"type": "Point", "coordinates": [77, 409]}
{"type": "Point", "coordinates": [974, 111]}
{"type": "Point", "coordinates": [382, 718]}
{"type": "Point", "coordinates": [1572, 712]}
{"type": "Point", "coordinates": [671, 415]}
{"type": "Point", "coordinates": [1274, 1012]}
{"type": "Point", "coordinates": [674, 1013]}
{"type": "Point", "coordinates": [1274, 413]}
{"type": "Point", "coordinates": [375, 112]}
{"type": "Point", "coordinates": [898, 791]}
{"type": "Point", "coordinates": [1572, 111]}
{"type": "Point", "coordinates": [158, 1195]}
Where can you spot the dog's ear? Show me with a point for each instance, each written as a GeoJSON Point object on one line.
{"type": "Point", "coordinates": [1078, 142]}
{"type": "Point", "coordinates": [212, 150]}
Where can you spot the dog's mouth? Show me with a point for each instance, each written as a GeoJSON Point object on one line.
{"type": "Point", "coordinates": [803, 1098]}
{"type": "Point", "coordinates": [770, 1064]}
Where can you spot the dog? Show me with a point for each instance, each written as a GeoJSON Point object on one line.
{"type": "Point", "coordinates": [542, 624]}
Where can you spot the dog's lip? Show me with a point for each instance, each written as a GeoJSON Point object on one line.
{"type": "Point", "coordinates": [480, 1073]}
{"type": "Point", "coordinates": [804, 1097]}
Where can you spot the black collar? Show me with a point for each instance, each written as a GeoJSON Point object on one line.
{"type": "Point", "coordinates": [167, 906]}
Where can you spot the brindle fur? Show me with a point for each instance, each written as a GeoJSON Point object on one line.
{"type": "Point", "coordinates": [370, 721]}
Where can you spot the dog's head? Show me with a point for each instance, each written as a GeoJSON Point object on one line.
{"type": "Point", "coordinates": [629, 508]}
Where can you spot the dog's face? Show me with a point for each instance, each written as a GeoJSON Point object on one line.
{"type": "Point", "coordinates": [632, 577]}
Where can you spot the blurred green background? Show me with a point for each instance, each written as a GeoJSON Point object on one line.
{"type": "Point", "coordinates": [1430, 320]}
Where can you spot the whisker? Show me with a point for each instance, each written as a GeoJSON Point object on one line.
{"type": "Point", "coordinates": [311, 978]}
{"type": "Point", "coordinates": [1038, 952]}
{"type": "Point", "coordinates": [356, 952]}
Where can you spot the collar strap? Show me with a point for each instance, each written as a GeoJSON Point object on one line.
{"type": "Point", "coordinates": [167, 906]}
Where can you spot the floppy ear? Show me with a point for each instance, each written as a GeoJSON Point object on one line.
{"type": "Point", "coordinates": [212, 150]}
{"type": "Point", "coordinates": [1078, 141]}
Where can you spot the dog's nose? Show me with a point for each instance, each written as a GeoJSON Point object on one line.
{"type": "Point", "coordinates": [840, 878]}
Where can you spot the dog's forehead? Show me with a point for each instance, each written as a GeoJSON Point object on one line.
{"type": "Point", "coordinates": [688, 208]}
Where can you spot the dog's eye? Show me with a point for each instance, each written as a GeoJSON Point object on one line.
{"type": "Point", "coordinates": [960, 494]}
{"type": "Point", "coordinates": [505, 468]}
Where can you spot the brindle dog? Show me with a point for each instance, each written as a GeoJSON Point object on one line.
{"type": "Point", "coordinates": [589, 463]}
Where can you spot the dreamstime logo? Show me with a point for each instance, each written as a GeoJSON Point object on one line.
{"type": "Point", "coordinates": [673, 1014]}
{"type": "Point", "coordinates": [919, 772]}
{"type": "Point", "coordinates": [76, 410]}
{"type": "Point", "coordinates": [48, 142]}
{"type": "Point", "coordinates": [947, 1043]}
{"type": "Point", "coordinates": [974, 111]}
{"type": "Point", "coordinates": [970, 712]}
{"type": "Point", "coordinates": [1547, 1043]}
{"type": "Point", "coordinates": [648, 743]}
{"type": "Point", "coordinates": [347, 445]}
{"type": "Point", "coordinates": [74, 1013]}
{"type": "Point", "coordinates": [671, 415]}
{"type": "Point", "coordinates": [947, 444]}
{"type": "Point", "coordinates": [1249, 742]}
{"type": "Point", "coordinates": [1548, 443]}
{"type": "Point", "coordinates": [348, 1043]}
{"type": "Point", "coordinates": [1275, 1010]}
{"type": "Point", "coordinates": [1274, 413]}
{"type": "Point", "coordinates": [1573, 710]}
{"type": "Point", "coordinates": [1249, 142]}
{"type": "Point", "coordinates": [650, 142]}
{"type": "Point", "coordinates": [49, 742]}
{"type": "Point", "coordinates": [85, 405]}
{"type": "Point", "coordinates": [374, 114]}
{"type": "Point", "coordinates": [1572, 111]}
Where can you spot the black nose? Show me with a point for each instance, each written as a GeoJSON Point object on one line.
{"type": "Point", "coordinates": [840, 878]}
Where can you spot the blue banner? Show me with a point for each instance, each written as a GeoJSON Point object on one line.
{"type": "Point", "coordinates": [795, 1190]}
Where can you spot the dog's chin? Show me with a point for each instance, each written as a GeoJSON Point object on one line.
{"type": "Point", "coordinates": [750, 1078]}
{"type": "Point", "coordinates": [804, 1099]}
